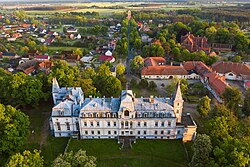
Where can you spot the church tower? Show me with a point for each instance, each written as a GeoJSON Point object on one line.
{"type": "Point", "coordinates": [178, 103]}
{"type": "Point", "coordinates": [55, 89]}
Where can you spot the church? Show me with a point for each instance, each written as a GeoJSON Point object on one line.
{"type": "Point", "coordinates": [74, 115]}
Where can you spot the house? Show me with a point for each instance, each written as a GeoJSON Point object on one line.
{"type": "Point", "coordinates": [10, 55]}
{"type": "Point", "coordinates": [116, 118]}
{"type": "Point", "coordinates": [215, 83]}
{"type": "Point", "coordinates": [195, 44]}
{"type": "Point", "coordinates": [71, 29]}
{"type": "Point", "coordinates": [17, 35]}
{"type": "Point", "coordinates": [222, 47]}
{"type": "Point", "coordinates": [28, 67]}
{"type": "Point", "coordinates": [86, 59]}
{"type": "Point", "coordinates": [103, 58]}
{"type": "Point", "coordinates": [45, 66]}
{"type": "Point", "coordinates": [163, 72]}
{"type": "Point", "coordinates": [42, 57]}
{"type": "Point", "coordinates": [247, 85]}
{"type": "Point", "coordinates": [156, 68]}
{"type": "Point", "coordinates": [232, 71]}
{"type": "Point", "coordinates": [11, 39]}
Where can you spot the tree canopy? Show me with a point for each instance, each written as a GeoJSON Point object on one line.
{"type": "Point", "coordinates": [14, 130]}
{"type": "Point", "coordinates": [27, 158]}
{"type": "Point", "coordinates": [72, 159]}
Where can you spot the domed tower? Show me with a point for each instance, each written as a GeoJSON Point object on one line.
{"type": "Point", "coordinates": [178, 103]}
{"type": "Point", "coordinates": [55, 90]}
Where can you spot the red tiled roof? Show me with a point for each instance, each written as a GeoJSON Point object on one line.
{"type": "Point", "coordinates": [198, 66]}
{"type": "Point", "coordinates": [247, 84]}
{"type": "Point", "coordinates": [163, 70]}
{"type": "Point", "coordinates": [236, 68]}
{"type": "Point", "coordinates": [105, 58]}
{"type": "Point", "coordinates": [216, 82]}
{"type": "Point", "coordinates": [42, 57]}
{"type": "Point", "coordinates": [29, 70]}
{"type": "Point", "coordinates": [154, 61]}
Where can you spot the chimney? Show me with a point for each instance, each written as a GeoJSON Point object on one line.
{"type": "Point", "coordinates": [151, 100]}
{"type": "Point", "coordinates": [90, 97]}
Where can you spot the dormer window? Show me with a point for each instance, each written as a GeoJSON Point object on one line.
{"type": "Point", "coordinates": [126, 113]}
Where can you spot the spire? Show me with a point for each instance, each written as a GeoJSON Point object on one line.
{"type": "Point", "coordinates": [55, 86]}
{"type": "Point", "coordinates": [178, 95]}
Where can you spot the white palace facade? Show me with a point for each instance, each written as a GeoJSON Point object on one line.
{"type": "Point", "coordinates": [126, 116]}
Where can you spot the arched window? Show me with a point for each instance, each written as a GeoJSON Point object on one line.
{"type": "Point", "coordinates": [108, 115]}
{"type": "Point", "coordinates": [126, 123]}
{"type": "Point", "coordinates": [97, 115]}
{"type": "Point", "coordinates": [145, 115]}
{"type": "Point", "coordinates": [126, 113]}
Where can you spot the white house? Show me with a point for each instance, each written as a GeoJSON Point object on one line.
{"type": "Point", "coordinates": [126, 116]}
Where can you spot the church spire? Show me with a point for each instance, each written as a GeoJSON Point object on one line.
{"type": "Point", "coordinates": [55, 86]}
{"type": "Point", "coordinates": [178, 95]}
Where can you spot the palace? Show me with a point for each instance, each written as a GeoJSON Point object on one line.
{"type": "Point", "coordinates": [126, 116]}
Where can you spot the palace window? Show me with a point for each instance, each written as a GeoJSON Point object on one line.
{"type": "Point", "coordinates": [131, 124]}
{"type": "Point", "coordinates": [108, 123]}
{"type": "Point", "coordinates": [168, 131]}
{"type": "Point", "coordinates": [145, 115]}
{"type": "Point", "coordinates": [92, 132]}
{"type": "Point", "coordinates": [67, 125]}
{"type": "Point", "coordinates": [91, 124]}
{"type": "Point", "coordinates": [86, 132]}
{"type": "Point", "coordinates": [139, 123]}
{"type": "Point", "coordinates": [178, 132]}
{"type": "Point", "coordinates": [162, 124]}
{"type": "Point", "coordinates": [77, 125]}
{"type": "Point", "coordinates": [85, 123]}
{"type": "Point", "coordinates": [126, 113]}
{"type": "Point", "coordinates": [145, 123]}
{"type": "Point", "coordinates": [97, 124]}
{"type": "Point", "coordinates": [108, 115]}
{"type": "Point", "coordinates": [169, 123]}
{"type": "Point", "coordinates": [131, 132]}
{"type": "Point", "coordinates": [114, 123]}
{"type": "Point", "coordinates": [145, 132]}
{"type": "Point", "coordinates": [126, 123]}
{"type": "Point", "coordinates": [115, 132]}
{"type": "Point", "coordinates": [98, 132]}
{"type": "Point", "coordinates": [139, 132]}
{"type": "Point", "coordinates": [156, 124]}
{"type": "Point", "coordinates": [162, 132]}
{"type": "Point", "coordinates": [122, 132]}
{"type": "Point", "coordinates": [109, 132]}
{"type": "Point", "coordinates": [58, 126]}
{"type": "Point", "coordinates": [156, 132]}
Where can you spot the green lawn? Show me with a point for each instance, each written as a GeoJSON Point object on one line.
{"type": "Point", "coordinates": [145, 153]}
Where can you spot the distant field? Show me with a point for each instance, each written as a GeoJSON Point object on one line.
{"type": "Point", "coordinates": [145, 153]}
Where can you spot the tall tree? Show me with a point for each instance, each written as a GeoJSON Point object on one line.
{"type": "Point", "coordinates": [120, 69]}
{"type": "Point", "coordinates": [137, 63]}
{"type": "Point", "coordinates": [72, 159]}
{"type": "Point", "coordinates": [14, 130]}
{"type": "Point", "coordinates": [203, 106]}
{"type": "Point", "coordinates": [246, 105]}
{"type": "Point", "coordinates": [27, 158]}
{"type": "Point", "coordinates": [202, 148]}
{"type": "Point", "coordinates": [232, 98]}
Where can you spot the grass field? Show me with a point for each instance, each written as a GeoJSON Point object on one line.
{"type": "Point", "coordinates": [145, 153]}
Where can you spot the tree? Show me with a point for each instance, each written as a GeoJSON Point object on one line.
{"type": "Point", "coordinates": [138, 43]}
{"type": "Point", "coordinates": [202, 147]}
{"type": "Point", "coordinates": [72, 159]}
{"type": "Point", "coordinates": [236, 59]}
{"type": "Point", "coordinates": [133, 83]}
{"type": "Point", "coordinates": [143, 83]}
{"type": "Point", "coordinates": [152, 85]}
{"type": "Point", "coordinates": [43, 48]}
{"type": "Point", "coordinates": [120, 69]}
{"type": "Point", "coordinates": [27, 158]}
{"type": "Point", "coordinates": [78, 51]}
{"type": "Point", "coordinates": [232, 98]}
{"type": "Point", "coordinates": [246, 105]}
{"type": "Point", "coordinates": [137, 63]}
{"type": "Point", "coordinates": [203, 106]}
{"type": "Point", "coordinates": [32, 45]}
{"type": "Point", "coordinates": [14, 129]}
